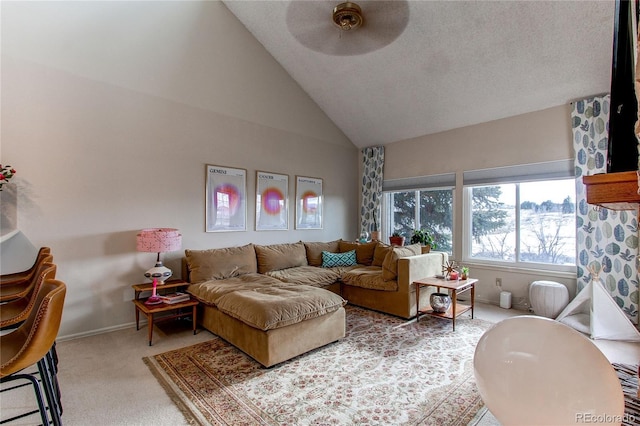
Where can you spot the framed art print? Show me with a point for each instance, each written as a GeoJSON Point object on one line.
{"type": "Point", "coordinates": [226, 203]}
{"type": "Point", "coordinates": [272, 201]}
{"type": "Point", "coordinates": [308, 203]}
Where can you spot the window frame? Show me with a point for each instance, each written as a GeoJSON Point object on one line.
{"type": "Point", "coordinates": [387, 217]}
{"type": "Point", "coordinates": [517, 264]}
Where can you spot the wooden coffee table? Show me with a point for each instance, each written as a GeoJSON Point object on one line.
{"type": "Point", "coordinates": [454, 288]}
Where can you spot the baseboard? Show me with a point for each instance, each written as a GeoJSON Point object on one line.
{"type": "Point", "coordinates": [98, 331]}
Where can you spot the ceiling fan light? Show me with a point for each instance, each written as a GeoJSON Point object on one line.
{"type": "Point", "coordinates": [347, 16]}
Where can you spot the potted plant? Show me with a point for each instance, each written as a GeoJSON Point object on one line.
{"type": "Point", "coordinates": [396, 239]}
{"type": "Point", "coordinates": [425, 239]}
{"type": "Point", "coordinates": [464, 273]}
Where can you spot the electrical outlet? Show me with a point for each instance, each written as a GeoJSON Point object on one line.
{"type": "Point", "coordinates": [498, 282]}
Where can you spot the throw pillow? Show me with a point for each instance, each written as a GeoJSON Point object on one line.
{"type": "Point", "coordinates": [415, 248]}
{"type": "Point", "coordinates": [331, 260]}
{"type": "Point", "coordinates": [390, 264]}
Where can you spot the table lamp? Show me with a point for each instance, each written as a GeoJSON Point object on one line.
{"type": "Point", "coordinates": [158, 240]}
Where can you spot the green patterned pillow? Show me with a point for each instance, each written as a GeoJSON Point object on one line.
{"type": "Point", "coordinates": [330, 260]}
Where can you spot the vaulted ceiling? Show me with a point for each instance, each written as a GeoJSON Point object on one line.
{"type": "Point", "coordinates": [421, 67]}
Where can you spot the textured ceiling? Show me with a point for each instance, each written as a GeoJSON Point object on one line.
{"type": "Point", "coordinates": [449, 64]}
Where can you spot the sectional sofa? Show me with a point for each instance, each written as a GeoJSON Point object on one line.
{"type": "Point", "coordinates": [275, 302]}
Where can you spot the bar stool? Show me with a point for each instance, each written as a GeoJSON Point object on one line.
{"type": "Point", "coordinates": [17, 276]}
{"type": "Point", "coordinates": [30, 344]}
{"type": "Point", "coordinates": [14, 312]}
{"type": "Point", "coordinates": [14, 286]}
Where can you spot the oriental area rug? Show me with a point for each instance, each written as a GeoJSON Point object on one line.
{"type": "Point", "coordinates": [386, 371]}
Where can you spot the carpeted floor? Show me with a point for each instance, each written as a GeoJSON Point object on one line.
{"type": "Point", "coordinates": [385, 371]}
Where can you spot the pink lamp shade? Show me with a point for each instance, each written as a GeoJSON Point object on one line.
{"type": "Point", "coordinates": [158, 240]}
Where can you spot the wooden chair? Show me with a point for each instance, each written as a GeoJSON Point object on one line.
{"type": "Point", "coordinates": [31, 344]}
{"type": "Point", "coordinates": [16, 289]}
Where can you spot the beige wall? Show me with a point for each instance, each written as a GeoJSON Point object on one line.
{"type": "Point", "coordinates": [110, 111]}
{"type": "Point", "coordinates": [530, 138]}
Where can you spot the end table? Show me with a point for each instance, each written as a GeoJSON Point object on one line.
{"type": "Point", "coordinates": [455, 287]}
{"type": "Point", "coordinates": [178, 309]}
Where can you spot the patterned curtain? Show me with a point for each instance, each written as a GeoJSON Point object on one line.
{"type": "Point", "coordinates": [372, 166]}
{"type": "Point", "coordinates": [606, 239]}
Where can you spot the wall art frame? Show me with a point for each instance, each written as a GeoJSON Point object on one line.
{"type": "Point", "coordinates": [309, 202]}
{"type": "Point", "coordinates": [226, 199]}
{"type": "Point", "coordinates": [272, 201]}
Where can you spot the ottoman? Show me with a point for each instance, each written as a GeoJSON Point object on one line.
{"type": "Point", "coordinates": [548, 298]}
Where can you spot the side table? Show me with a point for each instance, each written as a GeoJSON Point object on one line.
{"type": "Point", "coordinates": [178, 309]}
{"type": "Point", "coordinates": [149, 311]}
{"type": "Point", "coordinates": [455, 287]}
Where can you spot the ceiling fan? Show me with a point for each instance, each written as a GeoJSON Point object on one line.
{"type": "Point", "coordinates": [347, 28]}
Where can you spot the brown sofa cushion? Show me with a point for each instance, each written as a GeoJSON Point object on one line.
{"type": "Point", "coordinates": [380, 253]}
{"type": "Point", "coordinates": [307, 275]}
{"type": "Point", "coordinates": [364, 252]}
{"type": "Point", "coordinates": [390, 264]}
{"type": "Point", "coordinates": [369, 277]}
{"type": "Point", "coordinates": [208, 292]}
{"type": "Point", "coordinates": [274, 307]}
{"type": "Point", "coordinates": [314, 251]}
{"type": "Point", "coordinates": [280, 256]}
{"type": "Point", "coordinates": [215, 264]}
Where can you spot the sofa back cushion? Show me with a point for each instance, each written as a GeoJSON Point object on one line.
{"type": "Point", "coordinates": [390, 264]}
{"type": "Point", "coordinates": [216, 264]}
{"type": "Point", "coordinates": [280, 256]}
{"type": "Point", "coordinates": [364, 252]}
{"type": "Point", "coordinates": [314, 251]}
{"type": "Point", "coordinates": [380, 253]}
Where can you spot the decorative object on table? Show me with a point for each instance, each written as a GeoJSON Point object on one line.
{"type": "Point", "coordinates": [364, 237]}
{"type": "Point", "coordinates": [424, 238]}
{"type": "Point", "coordinates": [173, 298]}
{"type": "Point", "coordinates": [8, 202]}
{"type": "Point", "coordinates": [153, 299]}
{"type": "Point", "coordinates": [226, 202]}
{"type": "Point", "coordinates": [440, 302]}
{"type": "Point", "coordinates": [308, 203]}
{"type": "Point", "coordinates": [448, 268]}
{"type": "Point", "coordinates": [454, 275]}
{"type": "Point", "coordinates": [464, 273]}
{"type": "Point", "coordinates": [272, 201]}
{"type": "Point", "coordinates": [396, 239]}
{"type": "Point", "coordinates": [158, 240]}
{"type": "Point", "coordinates": [375, 233]}
{"type": "Point", "coordinates": [6, 173]}
{"type": "Point", "coordinates": [8, 209]}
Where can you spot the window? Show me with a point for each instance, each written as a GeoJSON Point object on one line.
{"type": "Point", "coordinates": [523, 223]}
{"type": "Point", "coordinates": [431, 209]}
